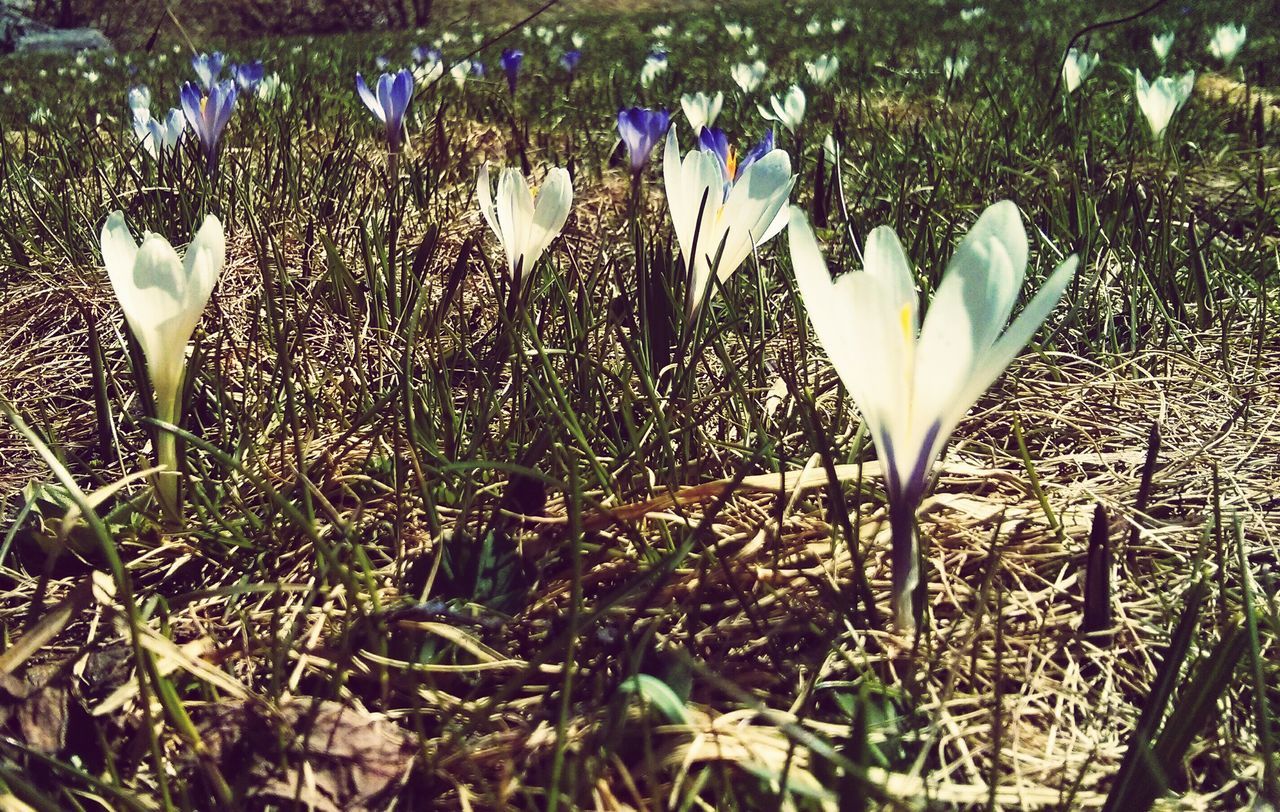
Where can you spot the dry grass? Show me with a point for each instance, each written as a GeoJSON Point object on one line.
{"type": "Point", "coordinates": [761, 596]}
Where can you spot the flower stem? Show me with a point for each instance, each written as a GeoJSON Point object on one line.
{"type": "Point", "coordinates": [166, 481]}
{"type": "Point", "coordinates": [905, 561]}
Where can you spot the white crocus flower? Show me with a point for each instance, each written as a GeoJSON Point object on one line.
{"type": "Point", "coordinates": [1226, 42]}
{"type": "Point", "coordinates": [829, 150]}
{"type": "Point", "coordinates": [912, 384]}
{"type": "Point", "coordinates": [822, 69]}
{"type": "Point", "coordinates": [734, 30]}
{"type": "Point", "coordinates": [271, 88]}
{"type": "Point", "coordinates": [1160, 99]}
{"type": "Point", "coordinates": [157, 136]}
{"type": "Point", "coordinates": [139, 99]}
{"type": "Point", "coordinates": [968, 15]}
{"type": "Point", "coordinates": [661, 31]}
{"type": "Point", "coordinates": [654, 65]}
{"type": "Point", "coordinates": [427, 72]}
{"type": "Point", "coordinates": [814, 27]}
{"type": "Point", "coordinates": [748, 76]}
{"type": "Point", "coordinates": [719, 212]}
{"type": "Point", "coordinates": [578, 40]}
{"type": "Point", "coordinates": [162, 296]}
{"type": "Point", "coordinates": [955, 69]}
{"type": "Point", "coordinates": [701, 109]}
{"type": "Point", "coordinates": [459, 72]}
{"type": "Point", "coordinates": [525, 225]}
{"type": "Point", "coordinates": [787, 110]}
{"type": "Point", "coordinates": [1077, 67]}
{"type": "Point", "coordinates": [837, 25]}
{"type": "Point", "coordinates": [1161, 44]}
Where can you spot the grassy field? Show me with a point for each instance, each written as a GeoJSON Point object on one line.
{"type": "Point", "coordinates": [445, 544]}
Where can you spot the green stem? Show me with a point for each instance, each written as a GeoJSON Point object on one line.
{"type": "Point", "coordinates": [166, 481]}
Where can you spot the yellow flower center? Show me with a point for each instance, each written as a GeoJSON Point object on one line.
{"type": "Point", "coordinates": [731, 163]}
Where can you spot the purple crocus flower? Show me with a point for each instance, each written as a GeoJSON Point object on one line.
{"type": "Point", "coordinates": [569, 61]}
{"type": "Point", "coordinates": [763, 148]}
{"type": "Point", "coordinates": [477, 68]}
{"type": "Point", "coordinates": [640, 129]}
{"type": "Point", "coordinates": [208, 67]}
{"type": "Point", "coordinates": [208, 114]}
{"type": "Point", "coordinates": [714, 140]}
{"type": "Point", "coordinates": [421, 54]}
{"type": "Point", "coordinates": [511, 59]}
{"type": "Point", "coordinates": [248, 76]}
{"type": "Point", "coordinates": [394, 91]}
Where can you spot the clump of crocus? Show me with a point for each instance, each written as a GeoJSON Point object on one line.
{"type": "Point", "coordinates": [913, 384]}
{"type": "Point", "coordinates": [640, 129]}
{"type": "Point", "coordinates": [208, 114]}
{"type": "Point", "coordinates": [139, 101]}
{"type": "Point", "coordinates": [271, 88]}
{"type": "Point", "coordinates": [1226, 43]}
{"type": "Point", "coordinates": [723, 208]}
{"type": "Point", "coordinates": [787, 110]}
{"type": "Point", "coordinates": [160, 137]}
{"type": "Point", "coordinates": [655, 64]}
{"type": "Point", "coordinates": [822, 69]}
{"type": "Point", "coordinates": [955, 68]}
{"type": "Point", "coordinates": [701, 109]}
{"type": "Point", "coordinates": [389, 103]}
{"type": "Point", "coordinates": [459, 73]}
{"type": "Point", "coordinates": [428, 72]}
{"type": "Point", "coordinates": [248, 75]}
{"type": "Point", "coordinates": [422, 54]}
{"type": "Point", "coordinates": [162, 296]}
{"type": "Point", "coordinates": [511, 60]}
{"type": "Point", "coordinates": [747, 76]}
{"type": "Point", "coordinates": [569, 61]}
{"type": "Point", "coordinates": [1076, 68]}
{"type": "Point", "coordinates": [1160, 99]}
{"type": "Point", "coordinates": [525, 224]}
{"type": "Point", "coordinates": [156, 136]}
{"type": "Point", "coordinates": [208, 68]}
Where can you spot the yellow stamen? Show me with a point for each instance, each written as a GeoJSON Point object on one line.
{"type": "Point", "coordinates": [904, 318]}
{"type": "Point", "coordinates": [731, 163]}
{"type": "Point", "coordinates": [203, 101]}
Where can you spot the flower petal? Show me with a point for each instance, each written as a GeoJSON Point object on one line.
{"type": "Point", "coordinates": [484, 193]}
{"type": "Point", "coordinates": [1006, 348]}
{"type": "Point", "coordinates": [549, 213]}
{"type": "Point", "coordinates": [884, 259]}
{"type": "Point", "coordinates": [369, 99]}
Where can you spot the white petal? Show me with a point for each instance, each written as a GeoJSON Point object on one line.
{"type": "Point", "coordinates": [884, 259]}
{"type": "Point", "coordinates": [1002, 353]}
{"type": "Point", "coordinates": [549, 213]}
{"type": "Point", "coordinates": [154, 309]}
{"type": "Point", "coordinates": [853, 322]}
{"type": "Point", "coordinates": [753, 205]}
{"type": "Point", "coordinates": [202, 265]}
{"type": "Point", "coordinates": [484, 193]}
{"type": "Point", "coordinates": [704, 221]}
{"type": "Point", "coordinates": [118, 252]}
